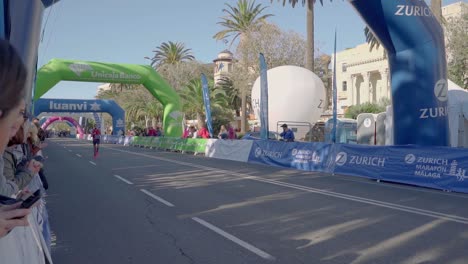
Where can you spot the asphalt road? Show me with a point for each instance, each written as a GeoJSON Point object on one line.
{"type": "Point", "coordinates": [134, 205]}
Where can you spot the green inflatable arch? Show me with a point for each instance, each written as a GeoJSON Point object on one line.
{"type": "Point", "coordinates": [85, 71]}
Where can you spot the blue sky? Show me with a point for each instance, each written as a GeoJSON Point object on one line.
{"type": "Point", "coordinates": [123, 31]}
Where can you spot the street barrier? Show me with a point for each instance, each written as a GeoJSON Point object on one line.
{"type": "Point", "coordinates": [236, 150]}
{"type": "Point", "coordinates": [441, 168]}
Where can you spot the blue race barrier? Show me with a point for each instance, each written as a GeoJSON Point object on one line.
{"type": "Point", "coordinates": [434, 167]}
{"type": "Point", "coordinates": [304, 156]}
{"type": "Point", "coordinates": [360, 160]}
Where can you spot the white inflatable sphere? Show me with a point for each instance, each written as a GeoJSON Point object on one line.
{"type": "Point", "coordinates": [294, 94]}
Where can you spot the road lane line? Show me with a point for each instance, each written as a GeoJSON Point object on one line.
{"type": "Point", "coordinates": [408, 209]}
{"type": "Point", "coordinates": [157, 198]}
{"type": "Point", "coordinates": [136, 167]}
{"type": "Point", "coordinates": [69, 150]}
{"type": "Point", "coordinates": [92, 163]}
{"type": "Point", "coordinates": [234, 239]}
{"type": "Point", "coordinates": [124, 180]}
{"type": "Point", "coordinates": [78, 155]}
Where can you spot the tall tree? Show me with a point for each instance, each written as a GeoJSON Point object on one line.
{"type": "Point", "coordinates": [138, 104]}
{"type": "Point", "coordinates": [310, 28]}
{"type": "Point", "coordinates": [171, 53]}
{"type": "Point", "coordinates": [193, 104]}
{"type": "Point", "coordinates": [278, 46]}
{"type": "Point", "coordinates": [239, 19]}
{"type": "Point", "coordinates": [457, 50]}
{"type": "Point", "coordinates": [179, 75]}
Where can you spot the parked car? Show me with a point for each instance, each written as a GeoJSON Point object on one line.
{"type": "Point", "coordinates": [256, 136]}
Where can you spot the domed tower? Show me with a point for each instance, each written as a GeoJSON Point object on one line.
{"type": "Point", "coordinates": [223, 64]}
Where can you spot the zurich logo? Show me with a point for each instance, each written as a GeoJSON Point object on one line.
{"type": "Point", "coordinates": [441, 90]}
{"type": "Point", "coordinates": [341, 158]}
{"type": "Point", "coordinates": [410, 159]}
{"type": "Point", "coordinates": [258, 152]}
{"type": "Point", "coordinates": [294, 152]}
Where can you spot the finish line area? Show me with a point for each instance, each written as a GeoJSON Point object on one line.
{"type": "Point", "coordinates": [139, 205]}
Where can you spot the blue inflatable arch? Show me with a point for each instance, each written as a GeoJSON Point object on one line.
{"type": "Point", "coordinates": [84, 106]}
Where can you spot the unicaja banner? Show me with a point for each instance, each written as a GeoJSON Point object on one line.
{"type": "Point", "coordinates": [263, 99]}
{"type": "Point", "coordinates": [415, 47]}
{"type": "Point", "coordinates": [206, 100]}
{"type": "Point", "coordinates": [88, 71]}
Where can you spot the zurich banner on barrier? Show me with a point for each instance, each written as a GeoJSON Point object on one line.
{"type": "Point", "coordinates": [434, 167]}
{"type": "Point", "coordinates": [312, 156]}
{"type": "Point", "coordinates": [441, 168]}
{"type": "Point", "coordinates": [359, 160]}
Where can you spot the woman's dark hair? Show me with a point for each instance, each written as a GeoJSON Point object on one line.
{"type": "Point", "coordinates": [12, 77]}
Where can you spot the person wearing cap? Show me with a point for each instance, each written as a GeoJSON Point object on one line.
{"type": "Point", "coordinates": [287, 134]}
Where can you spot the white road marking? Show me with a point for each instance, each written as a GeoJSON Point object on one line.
{"type": "Point", "coordinates": [69, 150]}
{"type": "Point", "coordinates": [78, 155]}
{"type": "Point", "coordinates": [136, 167]}
{"type": "Point", "coordinates": [92, 163]}
{"type": "Point", "coordinates": [157, 198]}
{"type": "Point", "coordinates": [408, 209]}
{"type": "Point", "coordinates": [234, 239]}
{"type": "Point", "coordinates": [122, 179]}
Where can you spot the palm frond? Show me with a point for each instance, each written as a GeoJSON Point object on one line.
{"type": "Point", "coordinates": [171, 53]}
{"type": "Point", "coordinates": [239, 19]}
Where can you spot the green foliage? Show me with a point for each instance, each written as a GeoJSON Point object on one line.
{"type": "Point", "coordinates": [140, 106]}
{"type": "Point", "coordinates": [89, 125]}
{"type": "Point", "coordinates": [355, 110]}
{"type": "Point", "coordinates": [180, 74]}
{"type": "Point", "coordinates": [239, 19]}
{"type": "Point", "coordinates": [278, 46]}
{"type": "Point", "coordinates": [193, 105]}
{"type": "Point", "coordinates": [171, 53]}
{"type": "Point", "coordinates": [457, 48]}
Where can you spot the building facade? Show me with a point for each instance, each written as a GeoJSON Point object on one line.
{"type": "Point", "coordinates": [361, 76]}
{"type": "Point", "coordinates": [223, 65]}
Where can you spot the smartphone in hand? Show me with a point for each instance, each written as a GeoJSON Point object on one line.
{"type": "Point", "coordinates": [31, 200]}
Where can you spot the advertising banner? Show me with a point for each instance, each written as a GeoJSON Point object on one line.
{"type": "Point", "coordinates": [304, 156]}
{"type": "Point", "coordinates": [414, 41]}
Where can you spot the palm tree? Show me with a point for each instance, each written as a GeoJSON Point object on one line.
{"type": "Point", "coordinates": [310, 28]}
{"type": "Point", "coordinates": [171, 53]}
{"type": "Point", "coordinates": [232, 93]}
{"type": "Point", "coordinates": [149, 110]}
{"type": "Point", "coordinates": [192, 96]}
{"type": "Point", "coordinates": [239, 20]}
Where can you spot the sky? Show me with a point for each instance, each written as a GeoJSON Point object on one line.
{"type": "Point", "coordinates": [122, 31]}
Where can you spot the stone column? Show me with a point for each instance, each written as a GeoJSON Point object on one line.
{"type": "Point", "coordinates": [352, 81]}
{"type": "Point", "coordinates": [386, 86]}
{"type": "Point", "coordinates": [366, 86]}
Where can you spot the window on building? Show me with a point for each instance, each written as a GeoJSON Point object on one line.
{"type": "Point", "coordinates": [344, 87]}
{"type": "Point", "coordinates": [344, 66]}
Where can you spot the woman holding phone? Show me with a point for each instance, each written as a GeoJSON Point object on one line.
{"type": "Point", "coordinates": [12, 90]}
